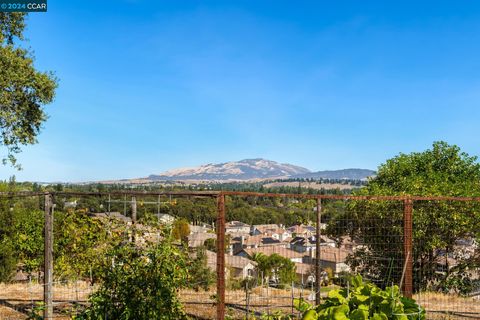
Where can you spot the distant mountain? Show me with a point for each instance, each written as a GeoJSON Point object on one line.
{"type": "Point", "coordinates": [351, 174]}
{"type": "Point", "coordinates": [250, 169]}
{"type": "Point", "coordinates": [247, 169]}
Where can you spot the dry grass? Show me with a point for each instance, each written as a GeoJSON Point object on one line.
{"type": "Point", "coordinates": [448, 306]}
{"type": "Point", "coordinates": [22, 297]}
{"type": "Point", "coordinates": [202, 303]}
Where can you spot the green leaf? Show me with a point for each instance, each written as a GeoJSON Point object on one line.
{"type": "Point", "coordinates": [357, 281]}
{"type": "Point", "coordinates": [359, 315]}
{"type": "Point", "coordinates": [338, 296]}
{"type": "Point", "coordinates": [301, 305]}
{"type": "Point", "coordinates": [379, 316]}
{"type": "Point", "coordinates": [360, 299]}
{"type": "Point", "coordinates": [310, 315]}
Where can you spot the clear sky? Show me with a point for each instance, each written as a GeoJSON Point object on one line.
{"type": "Point", "coordinates": [147, 86]}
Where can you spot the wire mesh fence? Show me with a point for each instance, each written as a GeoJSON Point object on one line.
{"type": "Point", "coordinates": [248, 254]}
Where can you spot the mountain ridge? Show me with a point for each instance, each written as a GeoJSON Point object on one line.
{"type": "Point", "coordinates": [254, 169]}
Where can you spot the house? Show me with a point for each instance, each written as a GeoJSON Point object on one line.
{"type": "Point", "coordinates": [333, 258]}
{"type": "Point", "coordinates": [304, 244]}
{"type": "Point", "coordinates": [245, 242]}
{"type": "Point", "coordinates": [302, 230]}
{"type": "Point", "coordinates": [237, 227]}
{"type": "Point", "coordinates": [235, 266]}
{"type": "Point", "coordinates": [201, 228]}
{"type": "Point", "coordinates": [272, 230]}
{"type": "Point", "coordinates": [261, 228]}
{"type": "Point", "coordinates": [269, 250]}
{"type": "Point", "coordinates": [465, 248]}
{"type": "Point", "coordinates": [197, 239]}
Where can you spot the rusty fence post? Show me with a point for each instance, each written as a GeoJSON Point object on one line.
{"type": "Point", "coordinates": [133, 205]}
{"type": "Point", "coordinates": [48, 261]}
{"type": "Point", "coordinates": [221, 256]}
{"type": "Point", "coordinates": [407, 274]}
{"type": "Point", "coordinates": [317, 253]}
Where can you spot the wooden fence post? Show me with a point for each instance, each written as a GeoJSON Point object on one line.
{"type": "Point", "coordinates": [407, 275]}
{"type": "Point", "coordinates": [134, 218]}
{"type": "Point", "coordinates": [317, 253]}
{"type": "Point", "coordinates": [221, 256]}
{"type": "Point", "coordinates": [48, 251]}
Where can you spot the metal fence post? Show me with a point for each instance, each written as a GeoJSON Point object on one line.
{"type": "Point", "coordinates": [317, 253]}
{"type": "Point", "coordinates": [407, 248]}
{"type": "Point", "coordinates": [48, 267]}
{"type": "Point", "coordinates": [221, 257]}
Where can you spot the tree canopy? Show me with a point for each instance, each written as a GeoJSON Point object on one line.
{"type": "Point", "coordinates": [23, 89]}
{"type": "Point", "coordinates": [437, 225]}
{"type": "Point", "coordinates": [443, 170]}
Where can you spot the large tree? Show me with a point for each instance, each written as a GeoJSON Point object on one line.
{"type": "Point", "coordinates": [443, 170]}
{"type": "Point", "coordinates": [23, 89]}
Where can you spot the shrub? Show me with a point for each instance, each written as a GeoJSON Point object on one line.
{"type": "Point", "coordinates": [139, 284]}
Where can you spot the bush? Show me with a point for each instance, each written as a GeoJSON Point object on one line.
{"type": "Point", "coordinates": [139, 284]}
{"type": "Point", "coordinates": [362, 301]}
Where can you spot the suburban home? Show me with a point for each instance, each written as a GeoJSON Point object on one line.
{"type": "Point", "coordinates": [237, 227]}
{"type": "Point", "coordinates": [269, 250]}
{"type": "Point", "coordinates": [333, 258]}
{"type": "Point", "coordinates": [304, 244]}
{"type": "Point", "coordinates": [272, 230]}
{"type": "Point", "coordinates": [201, 228]}
{"type": "Point", "coordinates": [302, 230]}
{"type": "Point", "coordinates": [235, 266]}
{"type": "Point", "coordinates": [197, 239]}
{"type": "Point", "coordinates": [261, 228]}
{"type": "Point", "coordinates": [245, 242]}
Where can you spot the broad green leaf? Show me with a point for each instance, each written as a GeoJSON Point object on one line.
{"type": "Point", "coordinates": [359, 315]}
{"type": "Point", "coordinates": [310, 315]}
{"type": "Point", "coordinates": [379, 316]}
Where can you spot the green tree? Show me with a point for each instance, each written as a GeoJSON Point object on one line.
{"type": "Point", "coordinates": [21, 232]}
{"type": "Point", "coordinates": [200, 275]}
{"type": "Point", "coordinates": [23, 90]}
{"type": "Point", "coordinates": [28, 237]}
{"type": "Point", "coordinates": [441, 171]}
{"type": "Point", "coordinates": [275, 267]}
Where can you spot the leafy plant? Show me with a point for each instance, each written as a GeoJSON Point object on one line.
{"type": "Point", "coordinates": [140, 284]}
{"type": "Point", "coordinates": [362, 301]}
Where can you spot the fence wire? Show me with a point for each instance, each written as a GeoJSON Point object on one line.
{"type": "Point", "coordinates": [274, 251]}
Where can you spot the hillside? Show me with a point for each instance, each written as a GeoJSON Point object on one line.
{"type": "Point", "coordinates": [254, 169]}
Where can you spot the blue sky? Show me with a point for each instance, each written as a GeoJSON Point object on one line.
{"type": "Point", "coordinates": [147, 86]}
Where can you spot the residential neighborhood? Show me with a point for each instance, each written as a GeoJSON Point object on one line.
{"type": "Point", "coordinates": [296, 243]}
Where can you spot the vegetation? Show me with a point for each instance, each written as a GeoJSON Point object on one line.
{"type": "Point", "coordinates": [24, 90]}
{"type": "Point", "coordinates": [275, 268]}
{"type": "Point", "coordinates": [363, 301]}
{"type": "Point", "coordinates": [442, 170]}
{"type": "Point", "coordinates": [140, 284]}
{"type": "Point", "coordinates": [200, 275]}
{"type": "Point", "coordinates": [181, 230]}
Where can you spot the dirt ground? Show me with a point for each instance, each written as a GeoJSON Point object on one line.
{"type": "Point", "coordinates": [16, 301]}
